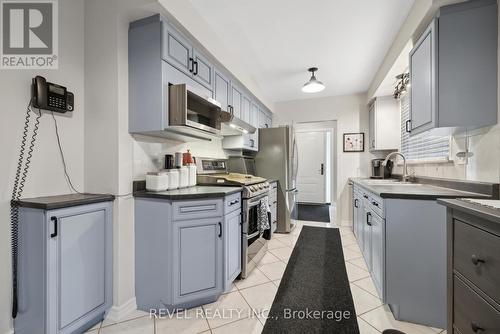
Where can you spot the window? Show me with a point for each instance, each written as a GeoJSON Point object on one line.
{"type": "Point", "coordinates": [424, 147]}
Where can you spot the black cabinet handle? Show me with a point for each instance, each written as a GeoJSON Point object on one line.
{"type": "Point", "coordinates": [220, 229]}
{"type": "Point", "coordinates": [236, 201]}
{"type": "Point", "coordinates": [55, 221]}
{"type": "Point", "coordinates": [356, 203]}
{"type": "Point", "coordinates": [322, 169]}
{"type": "Point", "coordinates": [408, 126]}
{"type": "Point", "coordinates": [476, 260]}
{"type": "Point", "coordinates": [375, 203]}
{"type": "Point", "coordinates": [195, 68]}
{"type": "Point", "coordinates": [475, 328]}
{"type": "Point", "coordinates": [368, 221]}
{"type": "Point", "coordinates": [230, 109]}
{"type": "Point", "coordinates": [275, 202]}
{"type": "Point", "coordinates": [365, 196]}
{"type": "Point", "coordinates": [191, 65]}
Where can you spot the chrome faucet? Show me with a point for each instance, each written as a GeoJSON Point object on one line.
{"type": "Point", "coordinates": [406, 176]}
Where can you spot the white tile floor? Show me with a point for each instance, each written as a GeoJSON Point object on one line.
{"type": "Point", "coordinates": [252, 298]}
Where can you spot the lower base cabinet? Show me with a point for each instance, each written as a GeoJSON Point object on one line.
{"type": "Point", "coordinates": [65, 268]}
{"type": "Point", "coordinates": [188, 252]}
{"type": "Point", "coordinates": [197, 259]}
{"type": "Point", "coordinates": [232, 247]}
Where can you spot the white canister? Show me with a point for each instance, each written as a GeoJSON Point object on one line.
{"type": "Point", "coordinates": [192, 175]}
{"type": "Point", "coordinates": [173, 179]}
{"type": "Point", "coordinates": [183, 177]}
{"type": "Point", "coordinates": [157, 181]}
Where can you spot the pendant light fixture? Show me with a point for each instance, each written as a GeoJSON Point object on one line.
{"type": "Point", "coordinates": [313, 85]}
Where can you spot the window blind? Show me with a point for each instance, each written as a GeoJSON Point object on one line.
{"type": "Point", "coordinates": [425, 146]}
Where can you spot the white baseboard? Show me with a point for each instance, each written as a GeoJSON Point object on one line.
{"type": "Point", "coordinates": [120, 312]}
{"type": "Point", "coordinates": [10, 331]}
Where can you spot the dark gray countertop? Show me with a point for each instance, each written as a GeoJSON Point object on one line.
{"type": "Point", "coordinates": [417, 191]}
{"type": "Point", "coordinates": [472, 208]}
{"type": "Point", "coordinates": [196, 192]}
{"type": "Point", "coordinates": [63, 201]}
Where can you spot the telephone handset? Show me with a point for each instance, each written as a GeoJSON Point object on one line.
{"type": "Point", "coordinates": [49, 96]}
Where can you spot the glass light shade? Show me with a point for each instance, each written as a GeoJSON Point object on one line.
{"type": "Point", "coordinates": [313, 86]}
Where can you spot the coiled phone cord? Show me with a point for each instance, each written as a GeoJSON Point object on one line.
{"type": "Point", "coordinates": [19, 182]}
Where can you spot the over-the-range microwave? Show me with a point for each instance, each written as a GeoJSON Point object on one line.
{"type": "Point", "coordinates": [187, 108]}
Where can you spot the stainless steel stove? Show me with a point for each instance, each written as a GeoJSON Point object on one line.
{"type": "Point", "coordinates": [213, 172]}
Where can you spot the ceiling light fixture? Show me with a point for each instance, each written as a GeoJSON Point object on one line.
{"type": "Point", "coordinates": [313, 85]}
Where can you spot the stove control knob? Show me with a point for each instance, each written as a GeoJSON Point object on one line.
{"type": "Point", "coordinates": [253, 188]}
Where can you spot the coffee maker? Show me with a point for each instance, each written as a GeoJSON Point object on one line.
{"type": "Point", "coordinates": [379, 171]}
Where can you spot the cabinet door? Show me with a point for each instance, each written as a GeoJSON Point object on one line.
{"type": "Point", "coordinates": [79, 264]}
{"type": "Point", "coordinates": [367, 235]}
{"type": "Point", "coordinates": [377, 251]}
{"type": "Point", "coordinates": [203, 71]}
{"type": "Point", "coordinates": [254, 121]}
{"type": "Point", "coordinates": [197, 259]}
{"type": "Point", "coordinates": [236, 98]}
{"type": "Point", "coordinates": [222, 86]}
{"type": "Point", "coordinates": [245, 109]}
{"type": "Point", "coordinates": [422, 76]}
{"type": "Point", "coordinates": [269, 121]}
{"type": "Point", "coordinates": [262, 119]}
{"type": "Point", "coordinates": [177, 50]}
{"type": "Point", "coordinates": [372, 126]}
{"type": "Point", "coordinates": [232, 248]}
{"type": "Point", "coordinates": [360, 222]}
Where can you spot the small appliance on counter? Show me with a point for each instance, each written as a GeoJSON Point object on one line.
{"type": "Point", "coordinates": [379, 171]}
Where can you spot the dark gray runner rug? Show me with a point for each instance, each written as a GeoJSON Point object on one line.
{"type": "Point", "coordinates": [314, 294]}
{"type": "Point", "coordinates": [314, 212]}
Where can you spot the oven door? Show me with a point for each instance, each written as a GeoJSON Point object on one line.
{"type": "Point", "coordinates": [253, 244]}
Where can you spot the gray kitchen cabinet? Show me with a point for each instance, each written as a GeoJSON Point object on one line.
{"type": "Point", "coordinates": [187, 251]}
{"type": "Point", "coordinates": [222, 91]}
{"type": "Point", "coordinates": [177, 50]}
{"type": "Point", "coordinates": [202, 69]}
{"type": "Point", "coordinates": [65, 268]}
{"type": "Point", "coordinates": [160, 55]}
{"type": "Point", "coordinates": [273, 203]}
{"type": "Point", "coordinates": [197, 259]}
{"type": "Point", "coordinates": [254, 121]}
{"type": "Point", "coordinates": [367, 235]}
{"type": "Point", "coordinates": [245, 109]}
{"type": "Point", "coordinates": [378, 252]}
{"type": "Point", "coordinates": [236, 100]}
{"type": "Point", "coordinates": [358, 217]}
{"type": "Point", "coordinates": [232, 248]}
{"type": "Point", "coordinates": [385, 127]}
{"type": "Point", "coordinates": [453, 69]}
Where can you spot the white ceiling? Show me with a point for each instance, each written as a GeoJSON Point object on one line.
{"type": "Point", "coordinates": [277, 40]}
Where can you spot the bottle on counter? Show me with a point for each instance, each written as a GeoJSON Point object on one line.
{"type": "Point", "coordinates": [183, 177]}
{"type": "Point", "coordinates": [173, 179]}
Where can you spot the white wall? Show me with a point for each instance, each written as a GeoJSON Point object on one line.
{"type": "Point", "coordinates": [351, 114]}
{"type": "Point", "coordinates": [46, 174]}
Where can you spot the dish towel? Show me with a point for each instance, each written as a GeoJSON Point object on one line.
{"type": "Point", "coordinates": [263, 217]}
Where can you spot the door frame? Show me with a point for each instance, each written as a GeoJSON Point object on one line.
{"type": "Point", "coordinates": [330, 127]}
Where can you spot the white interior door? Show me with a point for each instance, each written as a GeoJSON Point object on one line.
{"type": "Point", "coordinates": [311, 174]}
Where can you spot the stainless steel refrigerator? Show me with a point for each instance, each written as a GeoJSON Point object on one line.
{"type": "Point", "coordinates": [277, 159]}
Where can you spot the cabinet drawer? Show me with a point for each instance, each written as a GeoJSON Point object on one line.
{"type": "Point", "coordinates": [471, 313]}
{"type": "Point", "coordinates": [232, 202]}
{"type": "Point", "coordinates": [197, 209]}
{"type": "Point", "coordinates": [377, 205]}
{"type": "Point", "coordinates": [471, 247]}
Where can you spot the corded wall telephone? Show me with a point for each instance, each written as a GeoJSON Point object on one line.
{"type": "Point", "coordinates": [46, 96]}
{"type": "Point", "coordinates": [49, 96]}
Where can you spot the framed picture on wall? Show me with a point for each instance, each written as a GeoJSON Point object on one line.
{"type": "Point", "coordinates": [354, 142]}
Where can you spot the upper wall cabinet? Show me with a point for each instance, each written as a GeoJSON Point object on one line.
{"type": "Point", "coordinates": [385, 132]}
{"type": "Point", "coordinates": [222, 90]}
{"type": "Point", "coordinates": [160, 56]}
{"type": "Point", "coordinates": [453, 69]}
{"type": "Point", "coordinates": [179, 52]}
